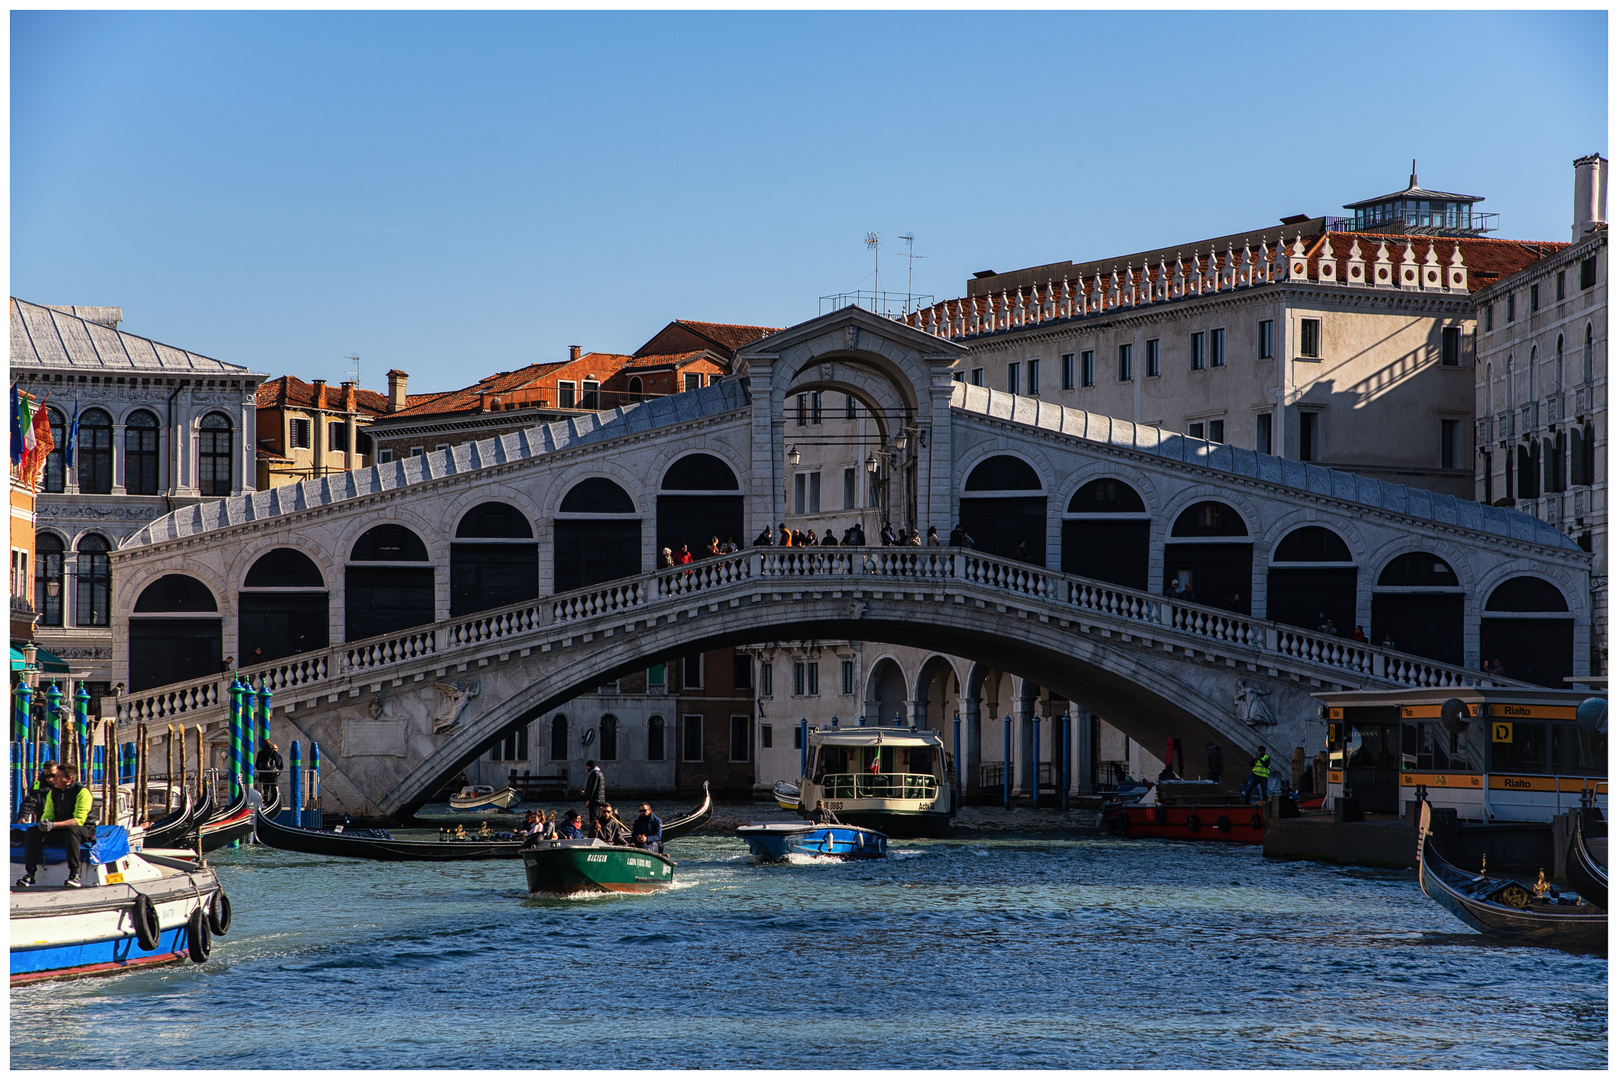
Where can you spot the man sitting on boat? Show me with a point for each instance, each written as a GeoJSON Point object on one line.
{"type": "Point", "coordinates": [647, 829]}
{"type": "Point", "coordinates": [821, 816]}
{"type": "Point", "coordinates": [35, 799]}
{"type": "Point", "coordinates": [573, 827]}
{"type": "Point", "coordinates": [610, 829]}
{"type": "Point", "coordinates": [62, 820]}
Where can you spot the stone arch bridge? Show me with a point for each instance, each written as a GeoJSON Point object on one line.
{"type": "Point", "coordinates": [405, 673]}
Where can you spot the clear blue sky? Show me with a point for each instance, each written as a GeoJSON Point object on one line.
{"type": "Point", "coordinates": [457, 194]}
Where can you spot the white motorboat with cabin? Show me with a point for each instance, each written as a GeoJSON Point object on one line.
{"type": "Point", "coordinates": [896, 780]}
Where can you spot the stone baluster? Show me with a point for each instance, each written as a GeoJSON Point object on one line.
{"type": "Point", "coordinates": [973, 321]}
{"type": "Point", "coordinates": [1457, 271]}
{"type": "Point", "coordinates": [1097, 301]}
{"type": "Point", "coordinates": [1065, 304]}
{"type": "Point", "coordinates": [1114, 294]}
{"type": "Point", "coordinates": [1227, 273]}
{"type": "Point", "coordinates": [1161, 292]}
{"type": "Point", "coordinates": [1178, 289]}
{"type": "Point", "coordinates": [1004, 321]}
{"type": "Point", "coordinates": [1244, 276]}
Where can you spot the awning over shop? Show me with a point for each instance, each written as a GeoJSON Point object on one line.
{"type": "Point", "coordinates": [45, 659]}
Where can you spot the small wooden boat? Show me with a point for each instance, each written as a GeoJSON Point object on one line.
{"type": "Point", "coordinates": [773, 841]}
{"type": "Point", "coordinates": [136, 909]}
{"type": "Point", "coordinates": [786, 797]}
{"type": "Point", "coordinates": [563, 867]}
{"type": "Point", "coordinates": [1503, 908]}
{"type": "Point", "coordinates": [483, 799]}
{"type": "Point", "coordinates": [1188, 810]}
{"type": "Point", "coordinates": [1586, 857]}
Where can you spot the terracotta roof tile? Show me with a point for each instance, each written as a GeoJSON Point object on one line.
{"type": "Point", "coordinates": [469, 398]}
{"type": "Point", "coordinates": [289, 390]}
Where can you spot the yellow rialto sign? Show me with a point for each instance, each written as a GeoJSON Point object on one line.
{"type": "Point", "coordinates": [1500, 732]}
{"type": "Point", "coordinates": [1335, 776]}
{"type": "Point", "coordinates": [1442, 780]}
{"type": "Point", "coordinates": [1546, 783]}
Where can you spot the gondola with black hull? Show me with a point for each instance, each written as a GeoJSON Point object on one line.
{"type": "Point", "coordinates": [380, 845]}
{"type": "Point", "coordinates": [1587, 867]}
{"type": "Point", "coordinates": [235, 822]}
{"type": "Point", "coordinates": [167, 831]}
{"type": "Point", "coordinates": [1507, 909]}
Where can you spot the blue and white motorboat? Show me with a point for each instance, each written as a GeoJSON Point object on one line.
{"type": "Point", "coordinates": [134, 910]}
{"type": "Point", "coordinates": [773, 841]}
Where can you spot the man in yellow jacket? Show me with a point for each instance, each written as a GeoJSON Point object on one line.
{"type": "Point", "coordinates": [62, 818]}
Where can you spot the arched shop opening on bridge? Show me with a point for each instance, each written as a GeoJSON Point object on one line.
{"type": "Point", "coordinates": [493, 561]}
{"type": "Point", "coordinates": [1005, 510]}
{"type": "Point", "coordinates": [1106, 534]}
{"type": "Point", "coordinates": [699, 500]}
{"type": "Point", "coordinates": [597, 535]}
{"type": "Point", "coordinates": [387, 587]}
{"type": "Point", "coordinates": [1210, 558]}
{"type": "Point", "coordinates": [1528, 628]}
{"type": "Point", "coordinates": [283, 608]}
{"type": "Point", "coordinates": [1312, 579]}
{"type": "Point", "coordinates": [1419, 605]}
{"type": "Point", "coordinates": [885, 693]}
{"type": "Point", "coordinates": [175, 633]}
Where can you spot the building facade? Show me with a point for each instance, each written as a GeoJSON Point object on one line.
{"type": "Point", "coordinates": [140, 429]}
{"type": "Point", "coordinates": [308, 430]}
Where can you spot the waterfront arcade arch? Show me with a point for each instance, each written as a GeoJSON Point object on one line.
{"type": "Point", "coordinates": [699, 499]}
{"type": "Point", "coordinates": [936, 701]}
{"type": "Point", "coordinates": [283, 607]}
{"type": "Point", "coordinates": [1312, 578]}
{"type": "Point", "coordinates": [1528, 627]}
{"type": "Point", "coordinates": [1210, 557]}
{"type": "Point", "coordinates": [885, 697]}
{"type": "Point", "coordinates": [493, 561]}
{"type": "Point", "coordinates": [1419, 605]}
{"type": "Point", "coordinates": [386, 586]}
{"type": "Point", "coordinates": [175, 633]}
{"type": "Point", "coordinates": [1106, 534]}
{"type": "Point", "coordinates": [1003, 508]}
{"type": "Point", "coordinates": [597, 534]}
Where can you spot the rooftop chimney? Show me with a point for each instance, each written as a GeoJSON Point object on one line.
{"type": "Point", "coordinates": [320, 393]}
{"type": "Point", "coordinates": [396, 390]}
{"type": "Point", "coordinates": [573, 351]}
{"type": "Point", "coordinates": [1589, 195]}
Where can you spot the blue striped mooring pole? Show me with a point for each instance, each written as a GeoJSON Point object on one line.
{"type": "Point", "coordinates": [1007, 770]}
{"type": "Point", "coordinates": [297, 783]}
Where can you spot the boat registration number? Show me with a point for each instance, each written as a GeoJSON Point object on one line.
{"type": "Point", "coordinates": [595, 858]}
{"type": "Point", "coordinates": [834, 806]}
{"type": "Point", "coordinates": [115, 879]}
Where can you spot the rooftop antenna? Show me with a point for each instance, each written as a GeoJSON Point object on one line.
{"type": "Point", "coordinates": [873, 242]}
{"type": "Point", "coordinates": [910, 253]}
{"type": "Point", "coordinates": [356, 372]}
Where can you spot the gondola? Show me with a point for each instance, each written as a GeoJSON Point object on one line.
{"type": "Point", "coordinates": [1585, 871]}
{"type": "Point", "coordinates": [1504, 908]}
{"type": "Point", "coordinates": [380, 845]}
{"type": "Point", "coordinates": [166, 831]}
{"type": "Point", "coordinates": [236, 823]}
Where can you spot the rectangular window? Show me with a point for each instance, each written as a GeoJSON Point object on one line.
{"type": "Point", "coordinates": [1198, 360]}
{"type": "Point", "coordinates": [817, 406]}
{"type": "Point", "coordinates": [1533, 298]}
{"type": "Point", "coordinates": [657, 679]}
{"type": "Point", "coordinates": [848, 676]}
{"type": "Point", "coordinates": [814, 677]}
{"type": "Point", "coordinates": [959, 376]}
{"type": "Point", "coordinates": [337, 435]}
{"type": "Point", "coordinates": [797, 678]}
{"type": "Point", "coordinates": [1216, 348]}
{"type": "Point", "coordinates": [418, 451]}
{"type": "Point", "coordinates": [1067, 371]}
{"type": "Point", "coordinates": [691, 738]}
{"type": "Point", "coordinates": [1266, 339]}
{"type": "Point", "coordinates": [741, 744]}
{"type": "Point", "coordinates": [1216, 431]}
{"type": "Point", "coordinates": [1309, 338]}
{"type": "Point", "coordinates": [850, 487]}
{"type": "Point", "coordinates": [1511, 308]}
{"type": "Point", "coordinates": [691, 675]}
{"type": "Point", "coordinates": [800, 492]}
{"type": "Point", "coordinates": [1264, 433]}
{"type": "Point", "coordinates": [441, 446]}
{"type": "Point", "coordinates": [514, 747]}
{"type": "Point", "coordinates": [1449, 440]}
{"type": "Point", "coordinates": [1153, 359]}
{"type": "Point", "coordinates": [1587, 273]}
{"type": "Point", "coordinates": [803, 409]}
{"type": "Point", "coordinates": [1033, 377]}
{"type": "Point", "coordinates": [590, 396]}
{"type": "Point", "coordinates": [362, 442]}
{"type": "Point", "coordinates": [1561, 284]}
{"type": "Point", "coordinates": [1194, 430]}
{"type": "Point", "coordinates": [564, 395]}
{"type": "Point", "coordinates": [766, 736]}
{"type": "Point", "coordinates": [298, 434]}
{"type": "Point", "coordinates": [977, 376]}
{"type": "Point", "coordinates": [1011, 378]}
{"type": "Point", "coordinates": [693, 382]}
{"type": "Point", "coordinates": [851, 405]}
{"type": "Point", "coordinates": [814, 493]}
{"type": "Point", "coordinates": [1308, 436]}
{"type": "Point", "coordinates": [797, 736]}
{"type": "Point", "coordinates": [1087, 367]}
{"type": "Point", "coordinates": [1126, 363]}
{"type": "Point", "coordinates": [1450, 355]}
{"type": "Point", "coordinates": [1488, 317]}
{"type": "Point", "coordinates": [766, 680]}
{"type": "Point", "coordinates": [743, 672]}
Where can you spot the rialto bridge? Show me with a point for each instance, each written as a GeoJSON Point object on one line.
{"type": "Point", "coordinates": [407, 615]}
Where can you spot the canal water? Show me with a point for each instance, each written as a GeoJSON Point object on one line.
{"type": "Point", "coordinates": [1005, 952]}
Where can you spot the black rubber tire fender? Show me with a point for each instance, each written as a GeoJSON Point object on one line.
{"type": "Point", "coordinates": [219, 913]}
{"type": "Point", "coordinates": [148, 930]}
{"type": "Point", "coordinates": [199, 939]}
{"type": "Point", "coordinates": [1223, 824]}
{"type": "Point", "coordinates": [1193, 823]}
{"type": "Point", "coordinates": [1256, 822]}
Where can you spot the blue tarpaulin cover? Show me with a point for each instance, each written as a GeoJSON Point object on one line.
{"type": "Point", "coordinates": [111, 844]}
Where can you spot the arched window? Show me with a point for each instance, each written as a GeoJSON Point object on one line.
{"type": "Point", "coordinates": [387, 591]}
{"type": "Point", "coordinates": [494, 560]}
{"type": "Point", "coordinates": [609, 738]}
{"type": "Point", "coordinates": [559, 738]}
{"type": "Point", "coordinates": [93, 455]}
{"type": "Point", "coordinates": [1511, 384]}
{"type": "Point", "coordinates": [55, 478]}
{"type": "Point", "coordinates": [1210, 560]}
{"type": "Point", "coordinates": [174, 633]}
{"type": "Point", "coordinates": [1526, 594]}
{"type": "Point", "coordinates": [1209, 519]}
{"type": "Point", "coordinates": [597, 495]}
{"type": "Point", "coordinates": [283, 607]}
{"type": "Point", "coordinates": [284, 568]}
{"type": "Point", "coordinates": [601, 547]}
{"type": "Point", "coordinates": [1312, 543]}
{"type": "Point", "coordinates": [140, 454]}
{"type": "Point", "coordinates": [1418, 605]}
{"type": "Point", "coordinates": [94, 591]}
{"type": "Point", "coordinates": [215, 443]}
{"type": "Point", "coordinates": [1111, 541]}
{"type": "Point", "coordinates": [636, 391]}
{"type": "Point", "coordinates": [389, 543]}
{"type": "Point", "coordinates": [1533, 373]}
{"type": "Point", "coordinates": [175, 593]}
{"type": "Point", "coordinates": [1003, 472]}
{"type": "Point", "coordinates": [1307, 587]}
{"type": "Point", "coordinates": [654, 739]}
{"type": "Point", "coordinates": [1488, 390]}
{"type": "Point", "coordinates": [1418, 569]}
{"type": "Point", "coordinates": [49, 580]}
{"type": "Point", "coordinates": [685, 517]}
{"type": "Point", "coordinates": [1007, 516]}
{"type": "Point", "coordinates": [700, 472]}
{"type": "Point", "coordinates": [1106, 497]}
{"type": "Point", "coordinates": [1527, 628]}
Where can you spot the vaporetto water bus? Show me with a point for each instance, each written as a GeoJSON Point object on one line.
{"type": "Point", "coordinates": [896, 780]}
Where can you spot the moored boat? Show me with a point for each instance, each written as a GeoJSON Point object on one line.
{"type": "Point", "coordinates": [1188, 810]}
{"type": "Point", "coordinates": [564, 867]}
{"type": "Point", "coordinates": [786, 796]}
{"type": "Point", "coordinates": [1587, 856]}
{"type": "Point", "coordinates": [773, 841]}
{"type": "Point", "coordinates": [1504, 908]}
{"type": "Point", "coordinates": [135, 909]}
{"type": "Point", "coordinates": [483, 799]}
{"type": "Point", "coordinates": [235, 822]}
{"type": "Point", "coordinates": [895, 780]}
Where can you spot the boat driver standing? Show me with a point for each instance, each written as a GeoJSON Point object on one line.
{"type": "Point", "coordinates": [595, 791]}
{"type": "Point", "coordinates": [647, 829]}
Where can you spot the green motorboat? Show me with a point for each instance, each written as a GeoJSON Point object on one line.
{"type": "Point", "coordinates": [560, 867]}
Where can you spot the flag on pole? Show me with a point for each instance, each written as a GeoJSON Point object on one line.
{"type": "Point", "coordinates": [25, 421]}
{"type": "Point", "coordinates": [16, 427]}
{"type": "Point", "coordinates": [72, 437]}
{"type": "Point", "coordinates": [42, 443]}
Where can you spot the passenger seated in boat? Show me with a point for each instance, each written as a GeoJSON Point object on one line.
{"type": "Point", "coordinates": [647, 829]}
{"type": "Point", "coordinates": [35, 799]}
{"type": "Point", "coordinates": [610, 829]}
{"type": "Point", "coordinates": [531, 825]}
{"type": "Point", "coordinates": [821, 816]}
{"type": "Point", "coordinates": [573, 827]}
{"type": "Point", "coordinates": [62, 821]}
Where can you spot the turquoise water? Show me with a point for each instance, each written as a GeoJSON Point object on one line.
{"type": "Point", "coordinates": [1017, 952]}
